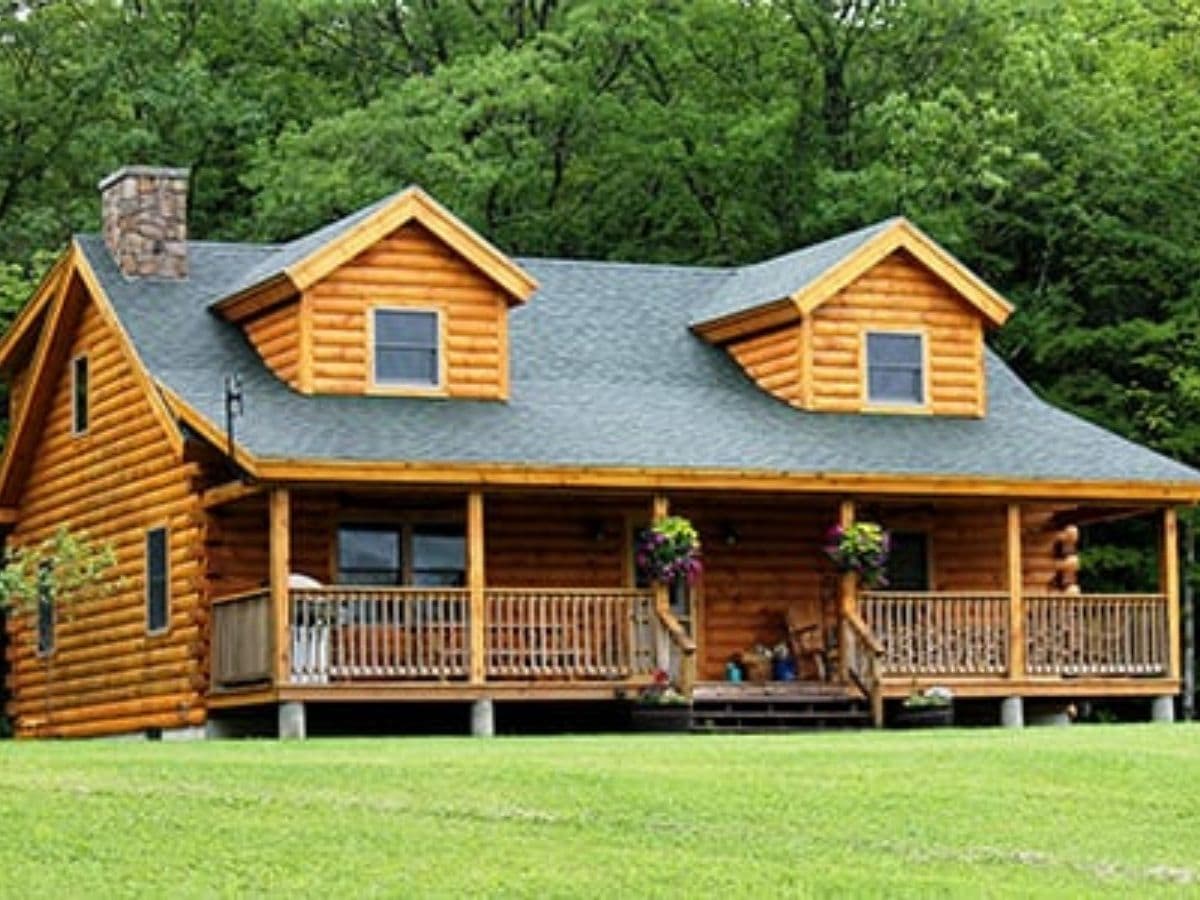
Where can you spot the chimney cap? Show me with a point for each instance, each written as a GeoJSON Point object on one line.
{"type": "Point", "coordinates": [142, 171]}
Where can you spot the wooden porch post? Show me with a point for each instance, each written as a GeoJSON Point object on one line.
{"type": "Point", "coordinates": [475, 585]}
{"type": "Point", "coordinates": [661, 508]}
{"type": "Point", "coordinates": [847, 598]}
{"type": "Point", "coordinates": [1168, 584]}
{"type": "Point", "coordinates": [280, 528]}
{"type": "Point", "coordinates": [1016, 601]}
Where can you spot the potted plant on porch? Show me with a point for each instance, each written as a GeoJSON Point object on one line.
{"type": "Point", "coordinates": [861, 548]}
{"type": "Point", "coordinates": [930, 708]}
{"type": "Point", "coordinates": [668, 552]}
{"type": "Point", "coordinates": [660, 706]}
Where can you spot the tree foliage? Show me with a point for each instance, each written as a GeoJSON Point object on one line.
{"type": "Point", "coordinates": [1053, 146]}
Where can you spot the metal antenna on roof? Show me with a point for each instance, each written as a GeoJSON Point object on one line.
{"type": "Point", "coordinates": [233, 411]}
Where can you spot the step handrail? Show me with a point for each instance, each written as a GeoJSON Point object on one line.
{"type": "Point", "coordinates": [863, 655]}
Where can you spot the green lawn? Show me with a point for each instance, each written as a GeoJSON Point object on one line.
{"type": "Point", "coordinates": [1087, 811]}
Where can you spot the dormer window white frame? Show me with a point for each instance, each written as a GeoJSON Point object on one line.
{"type": "Point", "coordinates": [80, 394]}
{"type": "Point", "coordinates": [406, 349]}
{"type": "Point", "coordinates": [895, 370]}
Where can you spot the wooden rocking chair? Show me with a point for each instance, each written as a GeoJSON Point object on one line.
{"type": "Point", "coordinates": [806, 640]}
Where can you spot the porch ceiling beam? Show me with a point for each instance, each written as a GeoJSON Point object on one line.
{"type": "Point", "coordinates": [1095, 515]}
{"type": "Point", "coordinates": [230, 492]}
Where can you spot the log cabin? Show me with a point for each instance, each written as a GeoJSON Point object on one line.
{"type": "Point", "coordinates": [385, 462]}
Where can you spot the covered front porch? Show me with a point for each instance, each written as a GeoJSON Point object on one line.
{"type": "Point", "coordinates": [327, 594]}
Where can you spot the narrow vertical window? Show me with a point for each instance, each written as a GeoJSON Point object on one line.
{"type": "Point", "coordinates": [45, 611]}
{"type": "Point", "coordinates": [158, 594]}
{"type": "Point", "coordinates": [79, 395]}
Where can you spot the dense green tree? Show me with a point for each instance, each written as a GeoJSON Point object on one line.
{"type": "Point", "coordinates": [1053, 145]}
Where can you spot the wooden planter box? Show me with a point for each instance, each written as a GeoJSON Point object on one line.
{"type": "Point", "coordinates": [923, 717]}
{"type": "Point", "coordinates": [677, 717]}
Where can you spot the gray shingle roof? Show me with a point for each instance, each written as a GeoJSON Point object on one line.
{"type": "Point", "coordinates": [604, 373]}
{"type": "Point", "coordinates": [782, 276]}
{"type": "Point", "coordinates": [281, 256]}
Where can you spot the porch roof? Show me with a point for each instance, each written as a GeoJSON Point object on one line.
{"type": "Point", "coordinates": [605, 373]}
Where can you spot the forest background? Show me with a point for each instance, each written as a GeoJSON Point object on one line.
{"type": "Point", "coordinates": [1052, 145]}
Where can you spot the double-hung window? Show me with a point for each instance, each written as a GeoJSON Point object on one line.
{"type": "Point", "coordinates": [895, 368]}
{"type": "Point", "coordinates": [407, 348]}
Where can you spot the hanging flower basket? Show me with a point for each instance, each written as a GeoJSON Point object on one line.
{"type": "Point", "coordinates": [861, 548]}
{"type": "Point", "coordinates": [668, 552]}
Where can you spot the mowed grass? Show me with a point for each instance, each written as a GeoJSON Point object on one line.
{"type": "Point", "coordinates": [1087, 811]}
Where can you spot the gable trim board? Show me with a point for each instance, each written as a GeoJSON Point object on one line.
{"type": "Point", "coordinates": [411, 204]}
{"type": "Point", "coordinates": [55, 336]}
{"type": "Point", "coordinates": [26, 322]}
{"type": "Point", "coordinates": [763, 312]}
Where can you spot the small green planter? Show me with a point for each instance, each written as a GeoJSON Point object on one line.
{"type": "Point", "coordinates": [923, 717]}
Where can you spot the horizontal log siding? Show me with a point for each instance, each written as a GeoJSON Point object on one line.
{"type": "Point", "coordinates": [747, 587]}
{"type": "Point", "coordinates": [555, 543]}
{"type": "Point", "coordinates": [276, 336]}
{"type": "Point", "coordinates": [1038, 562]}
{"type": "Point", "coordinates": [106, 674]}
{"type": "Point", "coordinates": [898, 294]}
{"type": "Point", "coordinates": [238, 554]}
{"type": "Point", "coordinates": [410, 267]}
{"type": "Point", "coordinates": [968, 546]}
{"type": "Point", "coordinates": [773, 361]}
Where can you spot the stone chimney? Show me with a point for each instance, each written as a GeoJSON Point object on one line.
{"type": "Point", "coordinates": [144, 211]}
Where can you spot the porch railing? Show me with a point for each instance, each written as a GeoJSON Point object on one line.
{"type": "Point", "coordinates": [939, 633]}
{"type": "Point", "coordinates": [364, 634]}
{"type": "Point", "coordinates": [241, 643]}
{"type": "Point", "coordinates": [360, 633]}
{"type": "Point", "coordinates": [567, 633]}
{"type": "Point", "coordinates": [1096, 634]}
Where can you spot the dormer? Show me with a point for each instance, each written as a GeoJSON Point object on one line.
{"type": "Point", "coordinates": [882, 320]}
{"type": "Point", "coordinates": [400, 298]}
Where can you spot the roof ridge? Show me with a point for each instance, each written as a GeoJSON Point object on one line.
{"type": "Point", "coordinates": [617, 263]}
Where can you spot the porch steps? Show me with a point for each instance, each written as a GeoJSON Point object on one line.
{"type": "Point", "coordinates": [779, 706]}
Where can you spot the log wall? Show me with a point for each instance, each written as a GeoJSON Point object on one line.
{"type": "Point", "coordinates": [773, 360]}
{"type": "Point", "coordinates": [106, 674]}
{"type": "Point", "coordinates": [410, 268]}
{"type": "Point", "coordinates": [748, 586]}
{"type": "Point", "coordinates": [898, 294]}
{"type": "Point", "coordinates": [275, 334]}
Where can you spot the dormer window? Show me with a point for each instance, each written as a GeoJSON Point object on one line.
{"type": "Point", "coordinates": [407, 348]}
{"type": "Point", "coordinates": [896, 368]}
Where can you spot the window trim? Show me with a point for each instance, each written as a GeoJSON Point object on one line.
{"type": "Point", "coordinates": [403, 387]}
{"type": "Point", "coordinates": [894, 406]}
{"type": "Point", "coordinates": [166, 531]}
{"type": "Point", "coordinates": [76, 431]}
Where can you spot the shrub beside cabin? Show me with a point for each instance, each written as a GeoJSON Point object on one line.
{"type": "Point", "coordinates": [445, 455]}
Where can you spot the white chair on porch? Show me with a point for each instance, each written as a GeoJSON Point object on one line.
{"type": "Point", "coordinates": [310, 637]}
